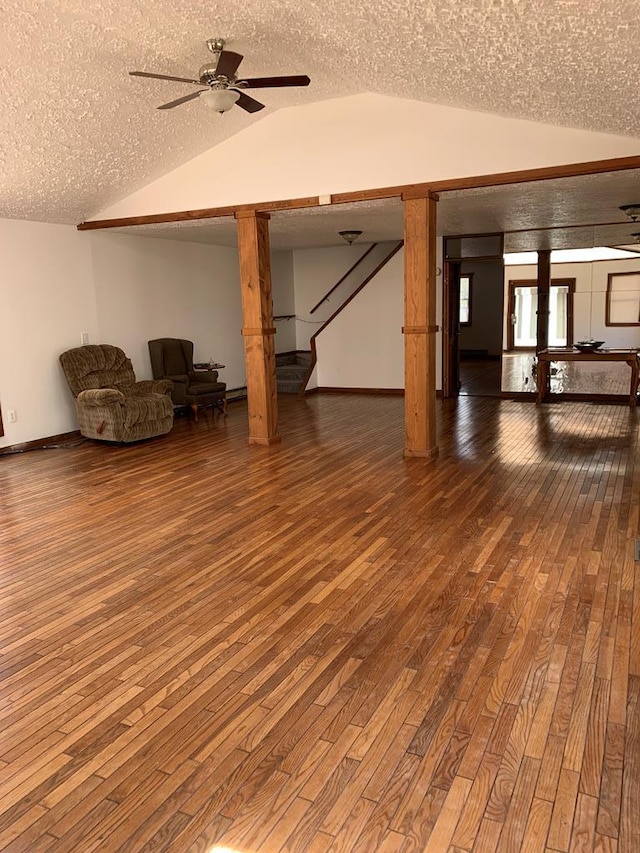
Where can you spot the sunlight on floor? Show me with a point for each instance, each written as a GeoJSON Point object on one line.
{"type": "Point", "coordinates": [217, 849]}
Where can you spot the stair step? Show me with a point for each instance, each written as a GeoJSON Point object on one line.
{"type": "Point", "coordinates": [291, 359]}
{"type": "Point", "coordinates": [292, 372]}
{"type": "Point", "coordinates": [284, 387]}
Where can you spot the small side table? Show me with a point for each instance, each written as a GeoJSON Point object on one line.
{"type": "Point", "coordinates": [221, 405]}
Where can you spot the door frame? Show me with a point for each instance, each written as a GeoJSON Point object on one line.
{"type": "Point", "coordinates": [570, 283]}
{"type": "Point", "coordinates": [451, 328]}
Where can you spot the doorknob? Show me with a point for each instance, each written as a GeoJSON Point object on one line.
{"type": "Point", "coordinates": [514, 319]}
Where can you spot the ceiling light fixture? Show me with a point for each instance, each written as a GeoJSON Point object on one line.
{"type": "Point", "coordinates": [632, 211]}
{"type": "Point", "coordinates": [350, 236]}
{"type": "Point", "coordinates": [220, 100]}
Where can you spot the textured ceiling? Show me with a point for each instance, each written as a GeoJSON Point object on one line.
{"type": "Point", "coordinates": [564, 213]}
{"type": "Point", "coordinates": [77, 133]}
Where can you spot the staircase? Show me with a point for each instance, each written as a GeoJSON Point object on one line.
{"type": "Point", "coordinates": [377, 257]}
{"type": "Point", "coordinates": [291, 371]}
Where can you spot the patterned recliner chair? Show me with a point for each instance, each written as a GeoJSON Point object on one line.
{"type": "Point", "coordinates": [111, 405]}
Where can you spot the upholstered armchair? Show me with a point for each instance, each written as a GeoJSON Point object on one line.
{"type": "Point", "coordinates": [172, 358]}
{"type": "Point", "coordinates": [110, 404]}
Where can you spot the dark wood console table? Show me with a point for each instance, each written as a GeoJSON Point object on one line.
{"type": "Point", "coordinates": [627, 356]}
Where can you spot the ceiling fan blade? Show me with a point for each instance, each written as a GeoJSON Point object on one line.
{"type": "Point", "coordinates": [247, 103]}
{"type": "Point", "coordinates": [182, 100]}
{"type": "Point", "coordinates": [162, 77]}
{"type": "Point", "coordinates": [267, 82]}
{"type": "Point", "coordinates": [228, 63]}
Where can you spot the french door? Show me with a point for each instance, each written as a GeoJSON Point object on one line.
{"type": "Point", "coordinates": [523, 309]}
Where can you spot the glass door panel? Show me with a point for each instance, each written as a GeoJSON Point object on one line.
{"type": "Point", "coordinates": [524, 307]}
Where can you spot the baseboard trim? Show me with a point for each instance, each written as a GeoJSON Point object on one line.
{"type": "Point", "coordinates": [421, 454]}
{"type": "Point", "coordinates": [399, 392]}
{"type": "Point", "coordinates": [40, 443]}
{"type": "Point", "coordinates": [264, 442]}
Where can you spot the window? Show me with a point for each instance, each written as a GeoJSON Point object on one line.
{"type": "Point", "coordinates": [465, 299]}
{"type": "Point", "coordinates": [623, 299]}
{"type": "Point", "coordinates": [522, 330]}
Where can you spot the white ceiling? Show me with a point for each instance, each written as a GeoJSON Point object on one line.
{"type": "Point", "coordinates": [77, 133]}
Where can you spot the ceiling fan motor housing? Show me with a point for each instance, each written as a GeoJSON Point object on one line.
{"type": "Point", "coordinates": [208, 77]}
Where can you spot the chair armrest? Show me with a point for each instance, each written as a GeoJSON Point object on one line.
{"type": "Point", "coordinates": [205, 375]}
{"type": "Point", "coordinates": [100, 396]}
{"type": "Point", "coordinates": [152, 386]}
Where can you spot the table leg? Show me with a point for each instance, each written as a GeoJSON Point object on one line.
{"type": "Point", "coordinates": [635, 378]}
{"type": "Point", "coordinates": [542, 379]}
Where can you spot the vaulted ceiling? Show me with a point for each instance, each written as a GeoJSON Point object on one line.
{"type": "Point", "coordinates": [77, 133]}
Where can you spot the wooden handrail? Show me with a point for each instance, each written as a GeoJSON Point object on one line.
{"type": "Point", "coordinates": [312, 342]}
{"type": "Point", "coordinates": [348, 273]}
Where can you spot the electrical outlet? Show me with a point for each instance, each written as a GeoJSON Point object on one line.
{"type": "Point", "coordinates": [13, 416]}
{"type": "Point", "coordinates": [84, 338]}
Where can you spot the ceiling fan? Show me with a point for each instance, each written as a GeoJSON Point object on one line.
{"type": "Point", "coordinates": [223, 86]}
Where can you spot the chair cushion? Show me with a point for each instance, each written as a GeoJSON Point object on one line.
{"type": "Point", "coordinates": [140, 408]}
{"type": "Point", "coordinates": [198, 388]}
{"type": "Point", "coordinates": [96, 366]}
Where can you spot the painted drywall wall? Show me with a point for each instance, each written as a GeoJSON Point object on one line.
{"type": "Point", "coordinates": [284, 300]}
{"type": "Point", "coordinates": [485, 329]}
{"type": "Point", "coordinates": [360, 142]}
{"type": "Point", "coordinates": [58, 283]}
{"type": "Point", "coordinates": [315, 272]}
{"type": "Point", "coordinates": [148, 288]}
{"type": "Point", "coordinates": [47, 298]}
{"type": "Point", "coordinates": [589, 299]}
{"type": "Point", "coordinates": [363, 347]}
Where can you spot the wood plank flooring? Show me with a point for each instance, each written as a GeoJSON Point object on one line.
{"type": "Point", "coordinates": [206, 646]}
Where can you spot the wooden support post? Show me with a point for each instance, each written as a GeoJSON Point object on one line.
{"type": "Point", "coordinates": [258, 329]}
{"type": "Point", "coordinates": [420, 326]}
{"type": "Point", "coordinates": [544, 287]}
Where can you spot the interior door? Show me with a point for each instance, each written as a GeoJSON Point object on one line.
{"type": "Point", "coordinates": [523, 306]}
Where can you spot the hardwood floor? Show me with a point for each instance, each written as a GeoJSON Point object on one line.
{"type": "Point", "coordinates": [318, 646]}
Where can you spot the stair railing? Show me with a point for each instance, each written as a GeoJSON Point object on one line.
{"type": "Point", "coordinates": [372, 275]}
{"type": "Point", "coordinates": [346, 275]}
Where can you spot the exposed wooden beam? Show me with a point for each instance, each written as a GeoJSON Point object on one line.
{"type": "Point", "coordinates": [420, 326]}
{"type": "Point", "coordinates": [196, 215]}
{"type": "Point", "coordinates": [417, 190]}
{"type": "Point", "coordinates": [544, 173]}
{"type": "Point", "coordinates": [258, 329]}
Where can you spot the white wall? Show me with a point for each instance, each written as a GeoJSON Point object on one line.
{"type": "Point", "coordinates": [589, 300]}
{"type": "Point", "coordinates": [124, 290]}
{"type": "Point", "coordinates": [284, 300]}
{"type": "Point", "coordinates": [148, 288]}
{"type": "Point", "coordinates": [48, 300]}
{"type": "Point", "coordinates": [315, 272]}
{"type": "Point", "coordinates": [363, 347]}
{"type": "Point", "coordinates": [360, 142]}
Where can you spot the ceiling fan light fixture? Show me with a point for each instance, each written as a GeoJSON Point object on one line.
{"type": "Point", "coordinates": [350, 236]}
{"type": "Point", "coordinates": [220, 100]}
{"type": "Point", "coordinates": [631, 210]}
